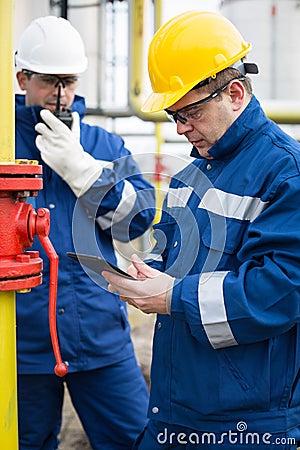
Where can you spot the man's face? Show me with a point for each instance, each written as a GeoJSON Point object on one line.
{"type": "Point", "coordinates": [42, 89]}
{"type": "Point", "coordinates": [205, 123]}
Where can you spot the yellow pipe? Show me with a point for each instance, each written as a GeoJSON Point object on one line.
{"type": "Point", "coordinates": [282, 111]}
{"type": "Point", "coordinates": [137, 51]}
{"type": "Point", "coordinates": [158, 14]}
{"type": "Point", "coordinates": [8, 367]}
{"type": "Point", "coordinates": [158, 133]}
{"type": "Point", "coordinates": [7, 152]}
{"type": "Point", "coordinates": [159, 194]}
{"type": "Point", "coordinates": [8, 386]}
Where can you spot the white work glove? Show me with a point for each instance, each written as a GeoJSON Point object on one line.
{"type": "Point", "coordinates": [60, 149]}
{"type": "Point", "coordinates": [151, 291]}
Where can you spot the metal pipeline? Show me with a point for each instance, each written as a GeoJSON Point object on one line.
{"type": "Point", "coordinates": [136, 88]}
{"type": "Point", "coordinates": [8, 369]}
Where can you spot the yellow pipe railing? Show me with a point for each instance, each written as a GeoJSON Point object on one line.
{"type": "Point", "coordinates": [158, 132]}
{"type": "Point", "coordinates": [6, 83]}
{"type": "Point", "coordinates": [137, 52]}
{"type": "Point", "coordinates": [158, 175]}
{"type": "Point", "coordinates": [8, 377]}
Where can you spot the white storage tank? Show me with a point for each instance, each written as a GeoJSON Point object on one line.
{"type": "Point", "coordinates": [273, 28]}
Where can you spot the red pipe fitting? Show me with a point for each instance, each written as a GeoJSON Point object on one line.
{"type": "Point", "coordinates": [21, 270]}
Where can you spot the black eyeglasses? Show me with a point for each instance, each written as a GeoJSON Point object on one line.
{"type": "Point", "coordinates": [48, 80]}
{"type": "Point", "coordinates": [192, 111]}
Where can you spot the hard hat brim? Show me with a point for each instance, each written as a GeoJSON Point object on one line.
{"type": "Point", "coordinates": [43, 68]}
{"type": "Point", "coordinates": [160, 101]}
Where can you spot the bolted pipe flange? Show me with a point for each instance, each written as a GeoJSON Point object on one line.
{"type": "Point", "coordinates": [19, 270]}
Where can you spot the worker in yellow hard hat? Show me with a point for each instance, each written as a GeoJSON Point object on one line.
{"type": "Point", "coordinates": [224, 276]}
{"type": "Point", "coordinates": [183, 56]}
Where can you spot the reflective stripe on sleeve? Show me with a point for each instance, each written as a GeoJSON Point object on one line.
{"type": "Point", "coordinates": [213, 311]}
{"type": "Point", "coordinates": [123, 209]}
{"type": "Point", "coordinates": [178, 197]}
{"type": "Point", "coordinates": [232, 205]}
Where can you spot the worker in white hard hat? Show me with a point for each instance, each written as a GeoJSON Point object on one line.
{"type": "Point", "coordinates": [95, 192]}
{"type": "Point", "coordinates": [224, 277]}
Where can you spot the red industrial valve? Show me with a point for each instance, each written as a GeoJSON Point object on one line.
{"type": "Point", "coordinates": [21, 269]}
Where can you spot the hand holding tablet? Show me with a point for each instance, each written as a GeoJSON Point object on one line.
{"type": "Point", "coordinates": [98, 264]}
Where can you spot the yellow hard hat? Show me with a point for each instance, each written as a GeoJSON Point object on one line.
{"type": "Point", "coordinates": [188, 49]}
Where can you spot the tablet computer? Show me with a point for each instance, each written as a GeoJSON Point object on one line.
{"type": "Point", "coordinates": [98, 264]}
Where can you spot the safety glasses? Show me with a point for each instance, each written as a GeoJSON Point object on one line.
{"type": "Point", "coordinates": [193, 111]}
{"type": "Point", "coordinates": [46, 80]}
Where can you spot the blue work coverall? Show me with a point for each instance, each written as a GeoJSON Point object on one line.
{"type": "Point", "coordinates": [227, 358]}
{"type": "Point", "coordinates": [104, 380]}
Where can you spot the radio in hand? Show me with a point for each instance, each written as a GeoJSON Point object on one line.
{"type": "Point", "coordinates": [64, 114]}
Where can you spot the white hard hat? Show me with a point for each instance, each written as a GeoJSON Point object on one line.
{"type": "Point", "coordinates": [51, 45]}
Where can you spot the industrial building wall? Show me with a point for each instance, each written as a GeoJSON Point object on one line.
{"type": "Point", "coordinates": [272, 27]}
